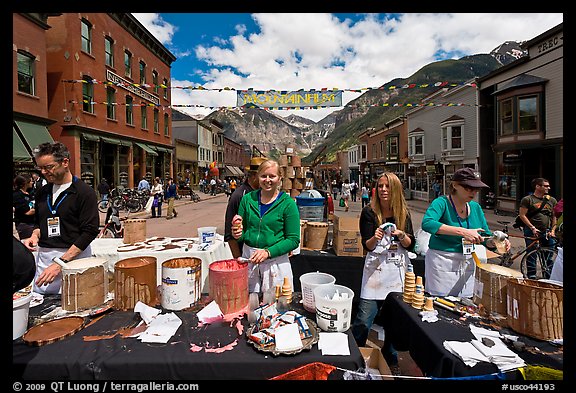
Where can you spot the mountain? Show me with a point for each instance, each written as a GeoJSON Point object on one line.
{"type": "Point", "coordinates": [340, 129]}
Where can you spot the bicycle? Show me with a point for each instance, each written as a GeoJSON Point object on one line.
{"type": "Point", "coordinates": [195, 197]}
{"type": "Point", "coordinates": [544, 256]}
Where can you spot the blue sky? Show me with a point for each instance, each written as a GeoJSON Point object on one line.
{"type": "Point", "coordinates": [277, 51]}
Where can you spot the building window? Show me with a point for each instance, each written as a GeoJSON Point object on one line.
{"type": "Point", "coordinates": [86, 36]}
{"type": "Point", "coordinates": [110, 103]}
{"type": "Point", "coordinates": [519, 114]}
{"type": "Point", "coordinates": [363, 154]}
{"type": "Point", "coordinates": [156, 121]}
{"type": "Point", "coordinates": [109, 51]}
{"type": "Point", "coordinates": [155, 81]}
{"type": "Point", "coordinates": [451, 138]}
{"type": "Point", "coordinates": [165, 83]}
{"type": "Point", "coordinates": [392, 145]}
{"type": "Point", "coordinates": [129, 110]}
{"type": "Point", "coordinates": [528, 114]}
{"type": "Point", "coordinates": [25, 73]}
{"type": "Point", "coordinates": [506, 124]}
{"type": "Point", "coordinates": [142, 73]}
{"type": "Point", "coordinates": [166, 128]}
{"type": "Point", "coordinates": [144, 116]}
{"type": "Point", "coordinates": [128, 64]}
{"type": "Point", "coordinates": [87, 95]}
{"type": "Point", "coordinates": [374, 153]}
{"type": "Point", "coordinates": [382, 148]}
{"type": "Point", "coordinates": [416, 145]}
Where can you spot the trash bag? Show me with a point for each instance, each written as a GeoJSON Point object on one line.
{"type": "Point", "coordinates": [422, 239]}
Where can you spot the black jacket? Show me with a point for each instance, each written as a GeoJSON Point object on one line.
{"type": "Point", "coordinates": [78, 213]}
{"type": "Point", "coordinates": [232, 208]}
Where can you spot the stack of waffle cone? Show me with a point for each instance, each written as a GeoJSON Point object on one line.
{"type": "Point", "coordinates": [429, 304]}
{"type": "Point", "coordinates": [409, 286]}
{"type": "Point", "coordinates": [287, 289]}
{"type": "Point", "coordinates": [418, 296]}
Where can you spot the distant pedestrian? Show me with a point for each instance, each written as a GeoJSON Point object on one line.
{"type": "Point", "coordinates": [365, 194]}
{"type": "Point", "coordinates": [437, 188]}
{"type": "Point", "coordinates": [171, 191]}
{"type": "Point", "coordinates": [157, 193]}
{"type": "Point", "coordinates": [143, 185]}
{"type": "Point", "coordinates": [353, 190]}
{"type": "Point", "coordinates": [104, 190]}
{"type": "Point", "coordinates": [213, 186]}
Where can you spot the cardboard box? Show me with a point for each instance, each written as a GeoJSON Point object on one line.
{"type": "Point", "coordinates": [374, 359]}
{"type": "Point", "coordinates": [346, 238]}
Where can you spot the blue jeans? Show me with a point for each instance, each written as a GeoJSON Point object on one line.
{"type": "Point", "coordinates": [531, 261]}
{"type": "Point", "coordinates": [367, 311]}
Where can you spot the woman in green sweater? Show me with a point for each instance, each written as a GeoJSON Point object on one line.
{"type": "Point", "coordinates": [268, 223]}
{"type": "Point", "coordinates": [458, 227]}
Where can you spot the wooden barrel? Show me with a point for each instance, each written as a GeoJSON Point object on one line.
{"type": "Point", "coordinates": [134, 230]}
{"type": "Point", "coordinates": [536, 308]}
{"type": "Point", "coordinates": [490, 286]}
{"type": "Point", "coordinates": [316, 234]}
{"type": "Point", "coordinates": [135, 280]}
{"type": "Point", "coordinates": [84, 284]}
{"type": "Point", "coordinates": [303, 224]}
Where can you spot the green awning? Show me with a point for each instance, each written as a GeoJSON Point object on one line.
{"type": "Point", "coordinates": [162, 149]}
{"type": "Point", "coordinates": [34, 134]}
{"type": "Point", "coordinates": [91, 137]}
{"type": "Point", "coordinates": [19, 152]}
{"type": "Point", "coordinates": [113, 141]}
{"type": "Point", "coordinates": [147, 148]}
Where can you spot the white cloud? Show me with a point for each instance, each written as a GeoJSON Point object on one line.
{"type": "Point", "coordinates": [319, 50]}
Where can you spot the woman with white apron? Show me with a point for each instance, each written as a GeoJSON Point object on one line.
{"type": "Point", "coordinates": [458, 228]}
{"type": "Point", "coordinates": [268, 223]}
{"type": "Point", "coordinates": [387, 236]}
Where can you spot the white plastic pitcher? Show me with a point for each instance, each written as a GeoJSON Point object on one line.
{"type": "Point", "coordinates": [308, 282]}
{"type": "Point", "coordinates": [333, 315]}
{"type": "Point", "coordinates": [206, 234]}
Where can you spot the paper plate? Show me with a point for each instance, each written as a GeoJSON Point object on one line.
{"type": "Point", "coordinates": [52, 331]}
{"type": "Point", "coordinates": [307, 343]}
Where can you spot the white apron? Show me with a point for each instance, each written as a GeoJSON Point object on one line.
{"type": "Point", "coordinates": [451, 273]}
{"type": "Point", "coordinates": [269, 273]}
{"type": "Point", "coordinates": [44, 259]}
{"type": "Point", "coordinates": [381, 276]}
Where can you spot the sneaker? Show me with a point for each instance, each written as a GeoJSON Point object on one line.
{"type": "Point", "coordinates": [175, 214]}
{"type": "Point", "coordinates": [169, 217]}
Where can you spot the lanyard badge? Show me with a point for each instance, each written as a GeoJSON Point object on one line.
{"type": "Point", "coordinates": [53, 226]}
{"type": "Point", "coordinates": [393, 255]}
{"type": "Point", "coordinates": [467, 247]}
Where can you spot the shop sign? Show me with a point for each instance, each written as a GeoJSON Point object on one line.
{"type": "Point", "coordinates": [512, 155]}
{"type": "Point", "coordinates": [431, 168]}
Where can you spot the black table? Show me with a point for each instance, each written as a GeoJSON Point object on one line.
{"type": "Point", "coordinates": [120, 358]}
{"type": "Point", "coordinates": [424, 341]}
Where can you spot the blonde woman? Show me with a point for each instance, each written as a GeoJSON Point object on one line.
{"type": "Point", "coordinates": [268, 223]}
{"type": "Point", "coordinates": [387, 235]}
{"type": "Point", "coordinates": [346, 191]}
{"type": "Point", "coordinates": [158, 193]}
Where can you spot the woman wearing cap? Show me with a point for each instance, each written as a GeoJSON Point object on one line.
{"type": "Point", "coordinates": [268, 223]}
{"type": "Point", "coordinates": [458, 227]}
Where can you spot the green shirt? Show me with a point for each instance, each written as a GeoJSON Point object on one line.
{"type": "Point", "coordinates": [441, 212]}
{"type": "Point", "coordinates": [278, 230]}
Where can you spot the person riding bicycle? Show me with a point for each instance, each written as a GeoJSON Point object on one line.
{"type": "Point", "coordinates": [536, 212]}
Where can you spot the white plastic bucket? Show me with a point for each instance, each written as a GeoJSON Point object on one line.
{"type": "Point", "coordinates": [206, 234]}
{"type": "Point", "coordinates": [181, 282]}
{"type": "Point", "coordinates": [308, 282]}
{"type": "Point", "coordinates": [21, 306]}
{"type": "Point", "coordinates": [333, 315]}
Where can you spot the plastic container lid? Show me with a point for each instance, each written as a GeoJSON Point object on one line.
{"type": "Point", "coordinates": [310, 194]}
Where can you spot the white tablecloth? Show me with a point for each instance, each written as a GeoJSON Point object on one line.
{"type": "Point", "coordinates": [112, 251]}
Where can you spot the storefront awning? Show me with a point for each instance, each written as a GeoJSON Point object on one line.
{"type": "Point", "coordinates": [112, 141]}
{"type": "Point", "coordinates": [147, 149]}
{"type": "Point", "coordinates": [162, 149]}
{"type": "Point", "coordinates": [91, 137]}
{"type": "Point", "coordinates": [234, 170]}
{"type": "Point", "coordinates": [34, 134]}
{"type": "Point", "coordinates": [19, 151]}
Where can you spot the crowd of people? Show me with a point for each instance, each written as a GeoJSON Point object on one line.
{"type": "Point", "coordinates": [56, 215]}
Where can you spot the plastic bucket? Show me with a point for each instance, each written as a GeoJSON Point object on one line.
{"type": "Point", "coordinates": [308, 282]}
{"type": "Point", "coordinates": [229, 285]}
{"type": "Point", "coordinates": [181, 282]}
{"type": "Point", "coordinates": [333, 315]}
{"type": "Point", "coordinates": [21, 306]}
{"type": "Point", "coordinates": [206, 234]}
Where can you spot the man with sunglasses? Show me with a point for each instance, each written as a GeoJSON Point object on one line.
{"type": "Point", "coordinates": [66, 219]}
{"type": "Point", "coordinates": [537, 212]}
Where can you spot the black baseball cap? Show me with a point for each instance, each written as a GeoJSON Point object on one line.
{"type": "Point", "coordinates": [469, 177]}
